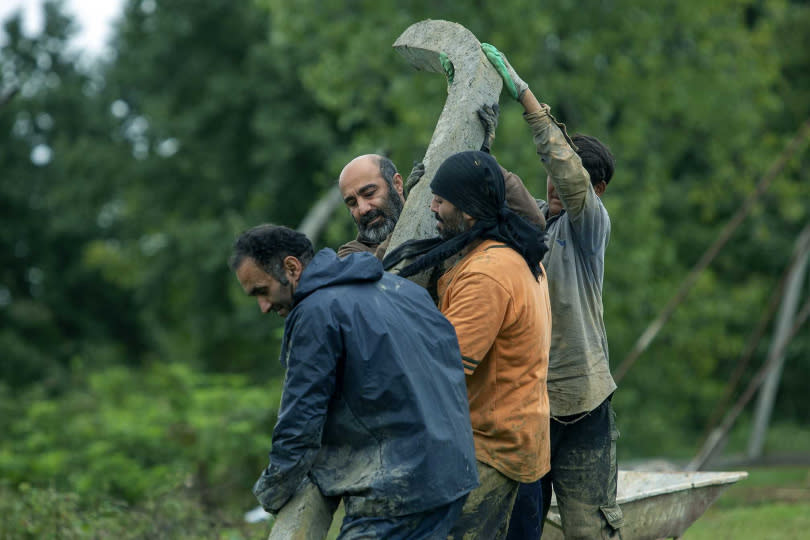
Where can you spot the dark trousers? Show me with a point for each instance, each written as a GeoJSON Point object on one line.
{"type": "Point", "coordinates": [526, 521]}
{"type": "Point", "coordinates": [583, 475]}
{"type": "Point", "coordinates": [433, 524]}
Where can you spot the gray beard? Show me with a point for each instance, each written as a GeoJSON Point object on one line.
{"type": "Point", "coordinates": [376, 235]}
{"type": "Point", "coordinates": [391, 211]}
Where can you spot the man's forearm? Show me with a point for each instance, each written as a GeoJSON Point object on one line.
{"type": "Point", "coordinates": [530, 102]}
{"type": "Point", "coordinates": [557, 153]}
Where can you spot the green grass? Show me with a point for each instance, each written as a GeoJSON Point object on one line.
{"type": "Point", "coordinates": [773, 503]}
{"type": "Point", "coordinates": [773, 521]}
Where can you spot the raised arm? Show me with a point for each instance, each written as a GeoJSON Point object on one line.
{"type": "Point", "coordinates": [555, 148]}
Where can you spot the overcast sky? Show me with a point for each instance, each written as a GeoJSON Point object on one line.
{"type": "Point", "coordinates": [93, 16]}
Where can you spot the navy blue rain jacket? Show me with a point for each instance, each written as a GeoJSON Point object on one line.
{"type": "Point", "coordinates": [374, 406]}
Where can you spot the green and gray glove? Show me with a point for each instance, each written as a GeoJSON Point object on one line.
{"type": "Point", "coordinates": [513, 83]}
{"type": "Point", "coordinates": [448, 67]}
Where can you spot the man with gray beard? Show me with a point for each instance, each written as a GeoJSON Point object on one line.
{"type": "Point", "coordinates": [373, 191]}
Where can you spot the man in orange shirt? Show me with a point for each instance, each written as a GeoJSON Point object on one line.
{"type": "Point", "coordinates": [496, 296]}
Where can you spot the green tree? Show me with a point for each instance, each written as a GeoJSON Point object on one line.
{"type": "Point", "coordinates": [223, 136]}
{"type": "Point", "coordinates": [57, 166]}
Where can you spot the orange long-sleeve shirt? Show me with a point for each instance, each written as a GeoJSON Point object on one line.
{"type": "Point", "coordinates": [502, 318]}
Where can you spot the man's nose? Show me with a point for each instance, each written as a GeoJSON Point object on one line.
{"type": "Point", "coordinates": [264, 305]}
{"type": "Point", "coordinates": [364, 207]}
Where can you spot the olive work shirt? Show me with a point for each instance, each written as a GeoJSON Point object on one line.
{"type": "Point", "coordinates": [579, 376]}
{"type": "Point", "coordinates": [502, 317]}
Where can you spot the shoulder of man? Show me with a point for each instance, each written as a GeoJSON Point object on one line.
{"type": "Point", "coordinates": [520, 201]}
{"type": "Point", "coordinates": [493, 259]}
{"type": "Point", "coordinates": [355, 246]}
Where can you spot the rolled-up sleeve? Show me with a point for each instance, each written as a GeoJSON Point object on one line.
{"type": "Point", "coordinates": [571, 180]}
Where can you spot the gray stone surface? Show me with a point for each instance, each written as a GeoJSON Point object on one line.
{"type": "Point", "coordinates": [475, 83]}
{"type": "Point", "coordinates": [307, 516]}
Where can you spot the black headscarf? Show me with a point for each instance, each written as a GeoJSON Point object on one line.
{"type": "Point", "coordinates": [472, 181]}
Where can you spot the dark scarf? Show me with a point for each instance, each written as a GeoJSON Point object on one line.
{"type": "Point", "coordinates": [472, 181]}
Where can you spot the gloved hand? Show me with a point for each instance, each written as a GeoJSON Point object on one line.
{"type": "Point", "coordinates": [513, 83]}
{"type": "Point", "coordinates": [417, 173]}
{"type": "Point", "coordinates": [448, 67]}
{"type": "Point", "coordinates": [489, 119]}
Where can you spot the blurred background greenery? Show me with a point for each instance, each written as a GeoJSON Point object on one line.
{"type": "Point", "coordinates": [138, 387]}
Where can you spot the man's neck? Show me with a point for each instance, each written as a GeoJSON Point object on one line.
{"type": "Point", "coordinates": [366, 241]}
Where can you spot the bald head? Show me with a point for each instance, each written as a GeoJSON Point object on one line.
{"type": "Point", "coordinates": [372, 190]}
{"type": "Point", "coordinates": [370, 166]}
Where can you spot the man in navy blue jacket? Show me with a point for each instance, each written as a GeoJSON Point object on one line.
{"type": "Point", "coordinates": [374, 405]}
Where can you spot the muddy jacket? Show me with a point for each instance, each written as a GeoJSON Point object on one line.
{"type": "Point", "coordinates": [374, 406]}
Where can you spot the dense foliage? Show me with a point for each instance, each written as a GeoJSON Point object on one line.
{"type": "Point", "coordinates": [132, 364]}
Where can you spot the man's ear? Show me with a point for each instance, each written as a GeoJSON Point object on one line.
{"type": "Point", "coordinates": [398, 185]}
{"type": "Point", "coordinates": [468, 219]}
{"type": "Point", "coordinates": [600, 188]}
{"type": "Point", "coordinates": [292, 268]}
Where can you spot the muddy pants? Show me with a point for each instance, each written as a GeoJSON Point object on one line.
{"type": "Point", "coordinates": [434, 524]}
{"type": "Point", "coordinates": [488, 507]}
{"type": "Point", "coordinates": [583, 474]}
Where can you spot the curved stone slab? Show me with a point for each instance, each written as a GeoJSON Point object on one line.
{"type": "Point", "coordinates": [307, 516]}
{"type": "Point", "coordinates": [475, 83]}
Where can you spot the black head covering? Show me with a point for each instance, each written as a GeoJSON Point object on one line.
{"type": "Point", "coordinates": [472, 181]}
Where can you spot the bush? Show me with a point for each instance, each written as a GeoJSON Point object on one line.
{"type": "Point", "coordinates": [33, 513]}
{"type": "Point", "coordinates": [134, 435]}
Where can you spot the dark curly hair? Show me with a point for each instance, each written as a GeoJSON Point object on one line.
{"type": "Point", "coordinates": [269, 245]}
{"type": "Point", "coordinates": [596, 158]}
